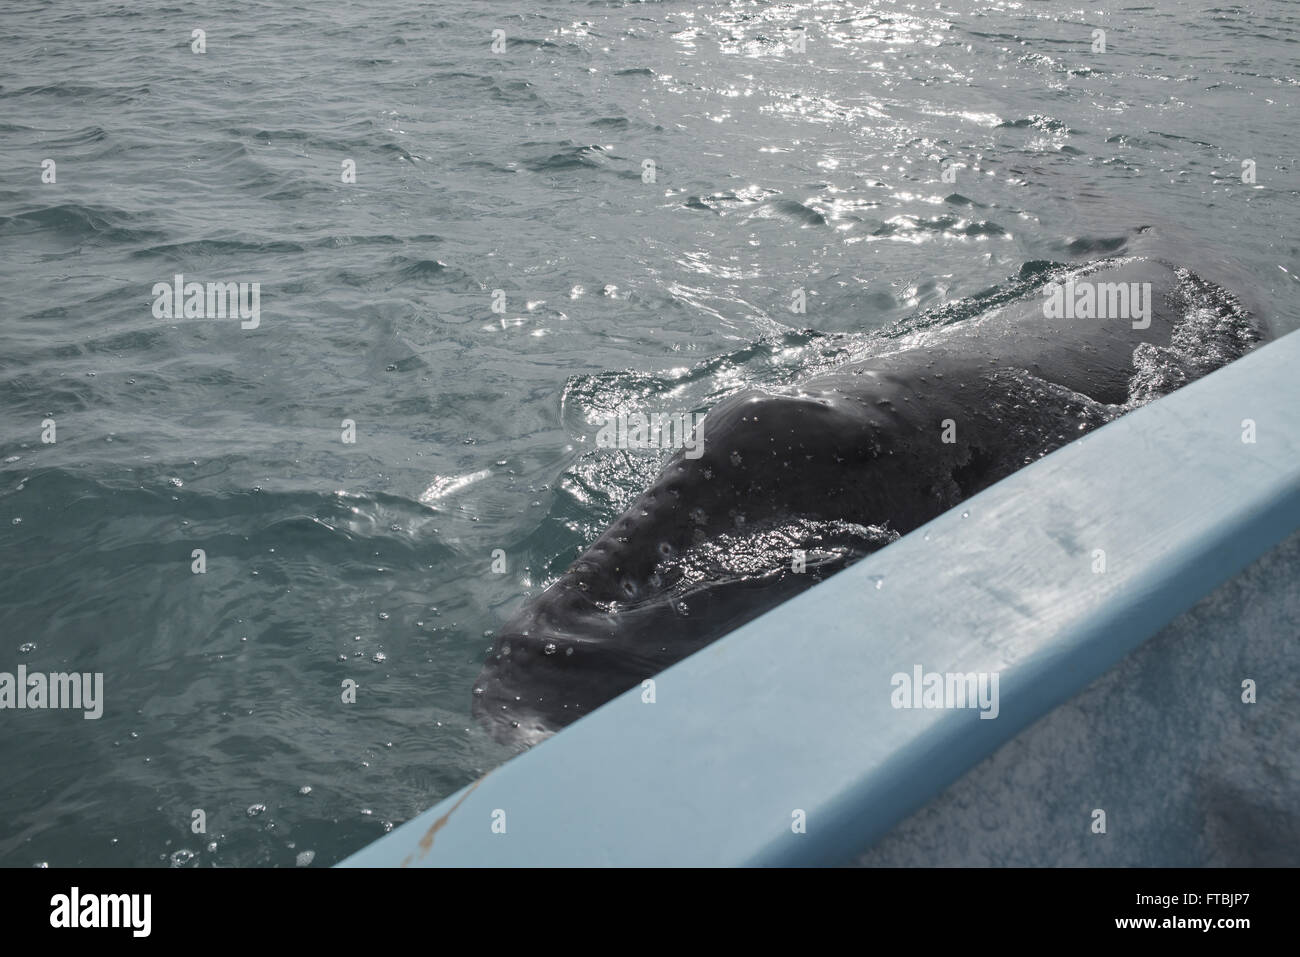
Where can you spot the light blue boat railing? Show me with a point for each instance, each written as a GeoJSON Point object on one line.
{"type": "Point", "coordinates": [779, 743]}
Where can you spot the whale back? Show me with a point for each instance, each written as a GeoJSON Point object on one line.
{"type": "Point", "coordinates": [793, 486]}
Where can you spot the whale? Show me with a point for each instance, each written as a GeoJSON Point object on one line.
{"type": "Point", "coordinates": [788, 486]}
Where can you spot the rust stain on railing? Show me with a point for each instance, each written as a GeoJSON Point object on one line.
{"type": "Point", "coordinates": [426, 842]}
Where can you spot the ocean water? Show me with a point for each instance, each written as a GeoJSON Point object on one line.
{"type": "Point", "coordinates": [640, 187]}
